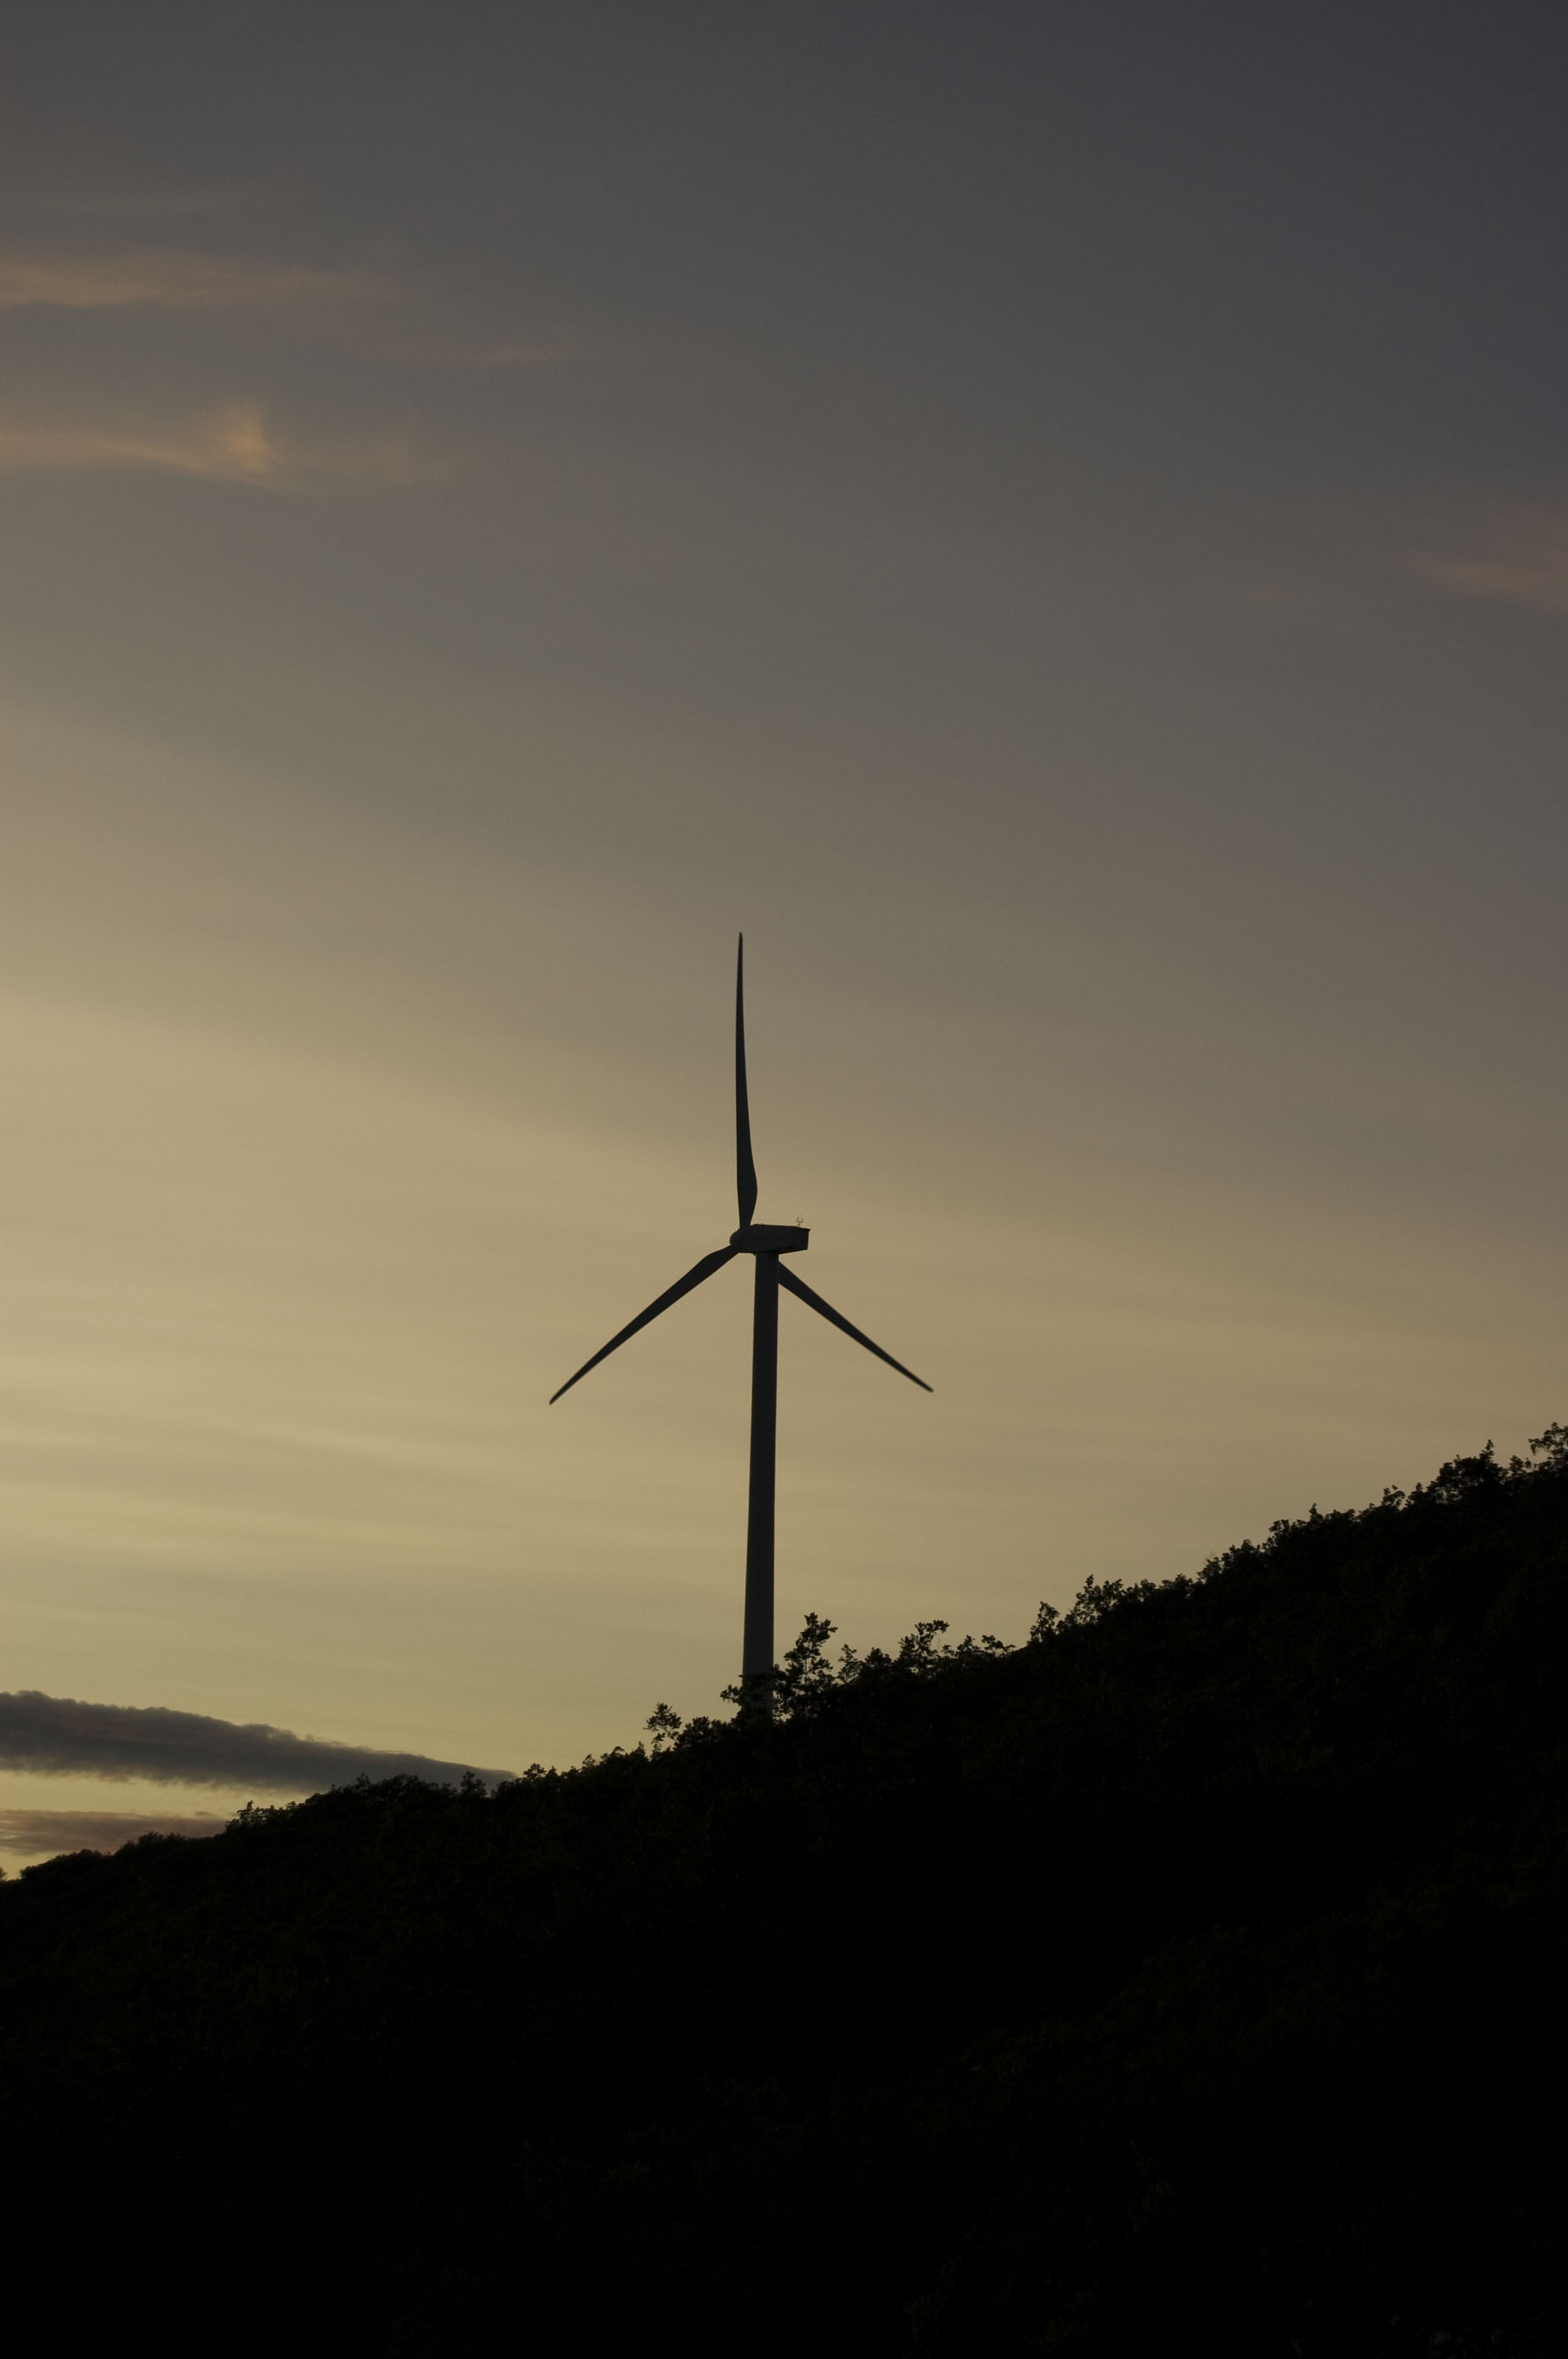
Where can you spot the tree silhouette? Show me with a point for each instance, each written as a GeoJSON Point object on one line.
{"type": "Point", "coordinates": [1188, 1974]}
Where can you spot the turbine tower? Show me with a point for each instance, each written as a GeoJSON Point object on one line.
{"type": "Point", "coordinates": [767, 1247]}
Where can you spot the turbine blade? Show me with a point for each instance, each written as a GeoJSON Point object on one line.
{"type": "Point", "coordinates": [704, 1268]}
{"type": "Point", "coordinates": [835, 1319]}
{"type": "Point", "coordinates": [745, 1170]}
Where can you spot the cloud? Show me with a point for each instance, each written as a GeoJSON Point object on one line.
{"type": "Point", "coordinates": [1518, 555]}
{"type": "Point", "coordinates": [232, 443]}
{"type": "Point", "coordinates": [435, 350]}
{"type": "Point", "coordinates": [178, 282]}
{"type": "Point", "coordinates": [378, 315]}
{"type": "Point", "coordinates": [36, 1834]}
{"type": "Point", "coordinates": [59, 1737]}
{"type": "Point", "coordinates": [193, 200]}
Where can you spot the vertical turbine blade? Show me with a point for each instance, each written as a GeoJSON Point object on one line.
{"type": "Point", "coordinates": [745, 1170]}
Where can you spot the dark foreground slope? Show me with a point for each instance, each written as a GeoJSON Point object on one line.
{"type": "Point", "coordinates": [1193, 1977]}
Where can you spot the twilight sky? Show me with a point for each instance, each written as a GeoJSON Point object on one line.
{"type": "Point", "coordinates": [1055, 518]}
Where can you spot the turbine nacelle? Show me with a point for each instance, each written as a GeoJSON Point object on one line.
{"type": "Point", "coordinates": [760, 1237]}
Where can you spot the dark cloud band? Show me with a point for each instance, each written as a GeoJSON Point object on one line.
{"type": "Point", "coordinates": [60, 1737]}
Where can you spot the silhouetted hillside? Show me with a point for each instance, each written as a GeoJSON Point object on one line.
{"type": "Point", "coordinates": [1189, 1978]}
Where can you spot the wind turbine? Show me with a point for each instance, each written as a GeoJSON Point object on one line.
{"type": "Point", "coordinates": [767, 1245]}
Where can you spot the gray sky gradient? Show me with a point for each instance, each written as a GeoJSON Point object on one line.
{"type": "Point", "coordinates": [1054, 521]}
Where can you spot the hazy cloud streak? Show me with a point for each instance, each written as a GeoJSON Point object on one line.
{"type": "Point", "coordinates": [33, 1834]}
{"type": "Point", "coordinates": [61, 1737]}
{"type": "Point", "coordinates": [178, 282]}
{"type": "Point", "coordinates": [233, 444]}
{"type": "Point", "coordinates": [378, 315]}
{"type": "Point", "coordinates": [1518, 555]}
